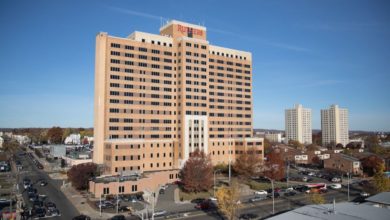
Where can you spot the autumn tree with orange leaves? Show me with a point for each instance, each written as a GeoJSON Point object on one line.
{"type": "Point", "coordinates": [248, 164]}
{"type": "Point", "coordinates": [197, 173]}
{"type": "Point", "coordinates": [274, 166]}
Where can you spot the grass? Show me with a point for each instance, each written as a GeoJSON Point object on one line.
{"type": "Point", "coordinates": [264, 185]}
{"type": "Point", "coordinates": [185, 196]}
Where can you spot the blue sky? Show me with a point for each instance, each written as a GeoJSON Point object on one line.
{"type": "Point", "coordinates": [316, 53]}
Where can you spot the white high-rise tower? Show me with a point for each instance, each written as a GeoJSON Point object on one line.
{"type": "Point", "coordinates": [334, 125]}
{"type": "Point", "coordinates": [298, 124]}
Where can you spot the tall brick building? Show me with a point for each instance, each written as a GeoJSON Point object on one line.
{"type": "Point", "coordinates": [160, 97]}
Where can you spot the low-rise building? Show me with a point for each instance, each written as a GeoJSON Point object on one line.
{"type": "Point", "coordinates": [1, 142]}
{"type": "Point", "coordinates": [344, 163]}
{"type": "Point", "coordinates": [344, 211]}
{"type": "Point", "coordinates": [72, 139]}
{"type": "Point", "coordinates": [274, 137]}
{"type": "Point", "coordinates": [381, 200]}
{"type": "Point", "coordinates": [57, 151]}
{"type": "Point", "coordinates": [77, 157]}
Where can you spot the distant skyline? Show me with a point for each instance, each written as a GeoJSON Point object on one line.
{"type": "Point", "coordinates": [314, 53]}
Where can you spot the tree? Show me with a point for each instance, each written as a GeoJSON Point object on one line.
{"type": "Point", "coordinates": [63, 163]}
{"type": "Point", "coordinates": [370, 164]}
{"type": "Point", "coordinates": [66, 133]}
{"type": "Point", "coordinates": [54, 135]}
{"type": "Point", "coordinates": [267, 146]}
{"type": "Point", "coordinates": [10, 147]}
{"type": "Point", "coordinates": [312, 147]}
{"type": "Point", "coordinates": [296, 144]}
{"type": "Point", "coordinates": [197, 173]}
{"type": "Point", "coordinates": [274, 166]}
{"type": "Point", "coordinates": [339, 145]}
{"type": "Point", "coordinates": [317, 138]}
{"type": "Point", "coordinates": [248, 164]}
{"type": "Point", "coordinates": [79, 175]}
{"type": "Point", "coordinates": [381, 181]}
{"type": "Point", "coordinates": [228, 199]}
{"type": "Point", "coordinates": [317, 198]}
{"type": "Point", "coordinates": [316, 161]}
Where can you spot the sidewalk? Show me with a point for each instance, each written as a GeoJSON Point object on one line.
{"type": "Point", "coordinates": [81, 203]}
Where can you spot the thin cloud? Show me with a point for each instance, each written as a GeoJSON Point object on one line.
{"type": "Point", "coordinates": [322, 83]}
{"type": "Point", "coordinates": [137, 13]}
{"type": "Point", "coordinates": [215, 30]}
{"type": "Point", "coordinates": [340, 26]}
{"type": "Point", "coordinates": [289, 47]}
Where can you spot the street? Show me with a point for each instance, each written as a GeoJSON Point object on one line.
{"type": "Point", "coordinates": [51, 190]}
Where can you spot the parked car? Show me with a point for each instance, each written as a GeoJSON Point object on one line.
{"type": "Point", "coordinates": [364, 194]}
{"type": "Point", "coordinates": [205, 205]}
{"type": "Point", "coordinates": [257, 198]}
{"type": "Point", "coordinates": [159, 213]}
{"type": "Point", "coordinates": [162, 191]}
{"type": "Point", "coordinates": [105, 204]}
{"type": "Point", "coordinates": [53, 212]}
{"type": "Point", "coordinates": [290, 193]}
{"type": "Point", "coordinates": [276, 195]}
{"type": "Point", "coordinates": [336, 179]}
{"type": "Point", "coordinates": [261, 192]}
{"type": "Point", "coordinates": [81, 217]}
{"type": "Point", "coordinates": [118, 217]}
{"type": "Point", "coordinates": [39, 212]}
{"type": "Point", "coordinates": [305, 178]}
{"type": "Point", "coordinates": [43, 183]}
{"type": "Point", "coordinates": [124, 209]}
{"type": "Point", "coordinates": [248, 216]}
{"type": "Point", "coordinates": [335, 186]}
{"type": "Point", "coordinates": [197, 200]}
{"type": "Point", "coordinates": [50, 205]}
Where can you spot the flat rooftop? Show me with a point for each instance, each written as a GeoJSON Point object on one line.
{"type": "Point", "coordinates": [344, 211]}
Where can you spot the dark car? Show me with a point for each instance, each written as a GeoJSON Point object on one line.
{"type": "Point", "coordinates": [205, 205]}
{"type": "Point", "coordinates": [39, 212]}
{"type": "Point", "coordinates": [118, 217]}
{"type": "Point", "coordinates": [43, 183]}
{"type": "Point", "coordinates": [123, 209]}
{"type": "Point", "coordinates": [50, 205]}
{"type": "Point", "coordinates": [81, 217]}
{"type": "Point", "coordinates": [198, 200]}
{"type": "Point", "coordinates": [276, 195]}
{"type": "Point", "coordinates": [248, 216]}
{"type": "Point", "coordinates": [162, 191]}
{"type": "Point", "coordinates": [291, 193]}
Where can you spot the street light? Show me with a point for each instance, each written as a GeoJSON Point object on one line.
{"type": "Point", "coordinates": [273, 194]}
{"type": "Point", "coordinates": [214, 179]}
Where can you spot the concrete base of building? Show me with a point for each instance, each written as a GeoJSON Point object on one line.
{"type": "Point", "coordinates": [146, 182]}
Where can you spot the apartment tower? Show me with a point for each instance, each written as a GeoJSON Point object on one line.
{"type": "Point", "coordinates": [298, 124]}
{"type": "Point", "coordinates": [160, 97]}
{"type": "Point", "coordinates": [334, 126]}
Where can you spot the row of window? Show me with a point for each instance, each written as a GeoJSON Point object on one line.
{"type": "Point", "coordinates": [229, 63]}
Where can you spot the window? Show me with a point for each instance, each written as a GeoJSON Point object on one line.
{"type": "Point", "coordinates": [115, 45]}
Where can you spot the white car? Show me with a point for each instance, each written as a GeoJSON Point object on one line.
{"type": "Point", "coordinates": [213, 199]}
{"type": "Point", "coordinates": [311, 174]}
{"type": "Point", "coordinates": [335, 186]}
{"type": "Point", "coordinates": [336, 179]}
{"type": "Point", "coordinates": [364, 194]}
{"type": "Point", "coordinates": [261, 192]}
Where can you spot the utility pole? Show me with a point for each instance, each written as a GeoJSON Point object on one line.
{"type": "Point", "coordinates": [215, 172]}
{"type": "Point", "coordinates": [273, 197]}
{"type": "Point", "coordinates": [348, 184]}
{"type": "Point", "coordinates": [230, 165]}
{"type": "Point", "coordinates": [288, 171]}
{"type": "Point", "coordinates": [100, 206]}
